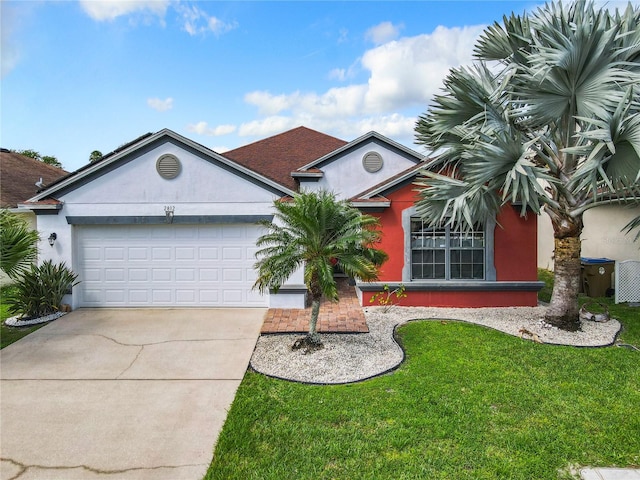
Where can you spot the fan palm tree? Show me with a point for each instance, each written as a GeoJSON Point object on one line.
{"type": "Point", "coordinates": [18, 244]}
{"type": "Point", "coordinates": [548, 117]}
{"type": "Point", "coordinates": [315, 231]}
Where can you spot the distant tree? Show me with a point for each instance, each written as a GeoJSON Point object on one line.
{"type": "Point", "coordinates": [51, 160]}
{"type": "Point", "coordinates": [48, 159]}
{"type": "Point", "coordinates": [95, 156]}
{"type": "Point", "coordinates": [29, 153]}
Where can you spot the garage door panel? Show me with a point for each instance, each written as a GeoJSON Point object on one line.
{"type": "Point", "coordinates": [187, 265]}
{"type": "Point", "coordinates": [185, 253]}
{"type": "Point", "coordinates": [92, 253]}
{"type": "Point", "coordinates": [161, 275]}
{"type": "Point", "coordinates": [114, 275]}
{"type": "Point", "coordinates": [208, 253]}
{"type": "Point", "coordinates": [138, 275]}
{"type": "Point", "coordinates": [140, 297]}
{"type": "Point", "coordinates": [185, 275]}
{"type": "Point", "coordinates": [137, 253]}
{"type": "Point", "coordinates": [209, 297]}
{"type": "Point", "coordinates": [160, 253]}
{"type": "Point", "coordinates": [209, 274]}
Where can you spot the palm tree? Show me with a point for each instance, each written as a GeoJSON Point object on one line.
{"type": "Point", "coordinates": [314, 231]}
{"type": "Point", "coordinates": [18, 244]}
{"type": "Point", "coordinates": [549, 118]}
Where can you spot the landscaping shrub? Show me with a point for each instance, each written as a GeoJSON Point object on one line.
{"type": "Point", "coordinates": [40, 290]}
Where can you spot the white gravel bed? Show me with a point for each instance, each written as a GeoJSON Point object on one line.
{"type": "Point", "coordinates": [16, 322]}
{"type": "Point", "coordinates": [350, 358]}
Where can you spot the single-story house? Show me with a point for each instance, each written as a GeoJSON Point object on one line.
{"type": "Point", "coordinates": [21, 177]}
{"type": "Point", "coordinates": [165, 221]}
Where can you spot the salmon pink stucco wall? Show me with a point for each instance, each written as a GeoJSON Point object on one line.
{"type": "Point", "coordinates": [393, 234]}
{"type": "Point", "coordinates": [515, 259]}
{"type": "Point", "coordinates": [516, 247]}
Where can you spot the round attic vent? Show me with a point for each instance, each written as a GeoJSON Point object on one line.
{"type": "Point", "coordinates": [168, 166]}
{"type": "Point", "coordinates": [372, 162]}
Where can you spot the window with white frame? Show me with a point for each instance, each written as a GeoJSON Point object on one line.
{"type": "Point", "coordinates": [446, 253]}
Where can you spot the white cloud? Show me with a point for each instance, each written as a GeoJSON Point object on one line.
{"type": "Point", "coordinates": [396, 126]}
{"type": "Point", "coordinates": [198, 22]}
{"type": "Point", "coordinates": [403, 73]}
{"type": "Point", "coordinates": [16, 23]}
{"type": "Point", "coordinates": [203, 128]}
{"type": "Point", "coordinates": [159, 104]}
{"type": "Point", "coordinates": [383, 33]}
{"type": "Point", "coordinates": [267, 126]}
{"type": "Point", "coordinates": [10, 51]}
{"type": "Point", "coordinates": [411, 70]}
{"type": "Point", "coordinates": [102, 10]}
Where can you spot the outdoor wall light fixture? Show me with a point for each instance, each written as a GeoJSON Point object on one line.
{"type": "Point", "coordinates": [168, 211]}
{"type": "Point", "coordinates": [52, 238]}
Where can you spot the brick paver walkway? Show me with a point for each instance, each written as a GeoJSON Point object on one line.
{"type": "Point", "coordinates": [346, 316]}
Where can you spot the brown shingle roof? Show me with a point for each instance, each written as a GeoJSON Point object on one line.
{"type": "Point", "coordinates": [276, 157]}
{"type": "Point", "coordinates": [18, 177]}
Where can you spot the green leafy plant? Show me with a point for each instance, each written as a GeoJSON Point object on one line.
{"type": "Point", "coordinates": [388, 298]}
{"type": "Point", "coordinates": [316, 231]}
{"type": "Point", "coordinates": [18, 247]}
{"type": "Point", "coordinates": [40, 290]}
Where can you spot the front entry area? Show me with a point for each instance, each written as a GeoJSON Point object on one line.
{"type": "Point", "coordinates": [167, 265]}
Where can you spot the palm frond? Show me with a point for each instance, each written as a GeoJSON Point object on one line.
{"type": "Point", "coordinates": [448, 201]}
{"type": "Point", "coordinates": [633, 225]}
{"type": "Point", "coordinates": [18, 245]}
{"type": "Point", "coordinates": [312, 231]}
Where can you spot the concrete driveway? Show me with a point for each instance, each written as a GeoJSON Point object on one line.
{"type": "Point", "coordinates": [122, 393]}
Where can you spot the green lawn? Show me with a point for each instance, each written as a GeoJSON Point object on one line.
{"type": "Point", "coordinates": [468, 403]}
{"type": "Point", "coordinates": [8, 335]}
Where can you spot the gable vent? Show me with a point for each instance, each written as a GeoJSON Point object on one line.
{"type": "Point", "coordinates": [372, 162]}
{"type": "Point", "coordinates": [168, 166]}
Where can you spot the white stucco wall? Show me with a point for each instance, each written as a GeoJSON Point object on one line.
{"type": "Point", "coordinates": [601, 238]}
{"type": "Point", "coordinates": [346, 176]}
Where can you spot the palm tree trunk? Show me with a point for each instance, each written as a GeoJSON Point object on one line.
{"type": "Point", "coordinates": [313, 322]}
{"type": "Point", "coordinates": [563, 311]}
{"type": "Point", "coordinates": [316, 296]}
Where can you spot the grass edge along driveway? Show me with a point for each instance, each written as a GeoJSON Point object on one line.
{"type": "Point", "coordinates": [468, 403]}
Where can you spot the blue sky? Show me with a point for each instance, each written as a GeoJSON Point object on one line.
{"type": "Point", "coordinates": [84, 75]}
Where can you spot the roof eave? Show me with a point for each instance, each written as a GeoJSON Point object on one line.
{"type": "Point", "coordinates": [370, 204]}
{"type": "Point", "coordinates": [147, 141]}
{"type": "Point", "coordinates": [297, 174]}
{"type": "Point", "coordinates": [39, 206]}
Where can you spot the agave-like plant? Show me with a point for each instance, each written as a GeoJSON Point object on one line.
{"type": "Point", "coordinates": [549, 118]}
{"type": "Point", "coordinates": [39, 290]}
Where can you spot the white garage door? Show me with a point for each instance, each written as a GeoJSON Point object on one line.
{"type": "Point", "coordinates": [167, 265]}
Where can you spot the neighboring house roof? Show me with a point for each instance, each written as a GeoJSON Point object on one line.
{"type": "Point", "coordinates": [111, 160]}
{"type": "Point", "coordinates": [276, 157]}
{"type": "Point", "coordinates": [19, 175]}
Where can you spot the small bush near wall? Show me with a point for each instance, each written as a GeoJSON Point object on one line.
{"type": "Point", "coordinates": [40, 290]}
{"type": "Point", "coordinates": [544, 295]}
